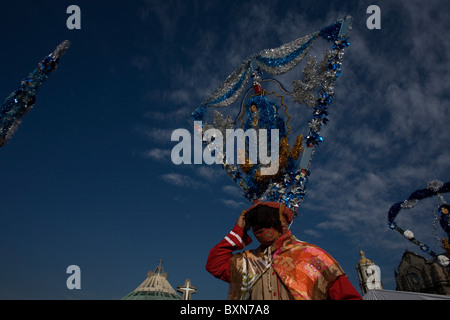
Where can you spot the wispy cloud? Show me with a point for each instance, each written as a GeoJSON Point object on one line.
{"type": "Point", "coordinates": [232, 190]}
{"type": "Point", "coordinates": [140, 62]}
{"type": "Point", "coordinates": [155, 134]}
{"type": "Point", "coordinates": [388, 128]}
{"type": "Point", "coordinates": [233, 204]}
{"type": "Point", "coordinates": [158, 154]}
{"type": "Point", "coordinates": [312, 233]}
{"type": "Point", "coordinates": [179, 114]}
{"type": "Point", "coordinates": [180, 180]}
{"type": "Point", "coordinates": [207, 172]}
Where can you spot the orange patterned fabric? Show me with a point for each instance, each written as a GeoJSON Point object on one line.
{"type": "Point", "coordinates": [305, 269]}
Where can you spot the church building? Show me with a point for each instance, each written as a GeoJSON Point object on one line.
{"type": "Point", "coordinates": [418, 274]}
{"type": "Point", "coordinates": [157, 287]}
{"type": "Point", "coordinates": [368, 274]}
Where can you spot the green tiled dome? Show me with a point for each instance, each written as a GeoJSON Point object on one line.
{"type": "Point", "coordinates": [155, 287]}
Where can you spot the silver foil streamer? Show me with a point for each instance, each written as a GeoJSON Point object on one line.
{"type": "Point", "coordinates": [229, 88]}
{"type": "Point", "coordinates": [284, 51]}
{"type": "Point", "coordinates": [222, 123]}
{"type": "Point", "coordinates": [235, 83]}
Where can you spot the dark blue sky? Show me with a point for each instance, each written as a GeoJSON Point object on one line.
{"type": "Point", "coordinates": [87, 178]}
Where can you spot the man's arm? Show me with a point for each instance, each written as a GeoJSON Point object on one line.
{"type": "Point", "coordinates": [342, 289]}
{"type": "Point", "coordinates": [218, 263]}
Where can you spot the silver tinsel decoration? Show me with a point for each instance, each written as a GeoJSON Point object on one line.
{"type": "Point", "coordinates": [284, 58]}
{"type": "Point", "coordinates": [304, 91]}
{"type": "Point", "coordinates": [435, 185]}
{"type": "Point", "coordinates": [408, 204]}
{"type": "Point", "coordinates": [273, 61]}
{"type": "Point", "coordinates": [231, 88]}
{"type": "Point", "coordinates": [221, 123]}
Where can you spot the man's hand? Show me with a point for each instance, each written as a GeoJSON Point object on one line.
{"type": "Point", "coordinates": [241, 220]}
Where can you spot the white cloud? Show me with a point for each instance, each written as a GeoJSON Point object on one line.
{"type": "Point", "coordinates": [180, 180]}
{"type": "Point", "coordinates": [208, 172]}
{"type": "Point", "coordinates": [232, 190]}
{"type": "Point", "coordinates": [155, 134]}
{"type": "Point", "coordinates": [160, 115]}
{"type": "Point", "coordinates": [158, 154]}
{"type": "Point", "coordinates": [234, 204]}
{"type": "Point", "coordinates": [313, 233]}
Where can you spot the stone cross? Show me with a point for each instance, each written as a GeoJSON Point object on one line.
{"type": "Point", "coordinates": [187, 290]}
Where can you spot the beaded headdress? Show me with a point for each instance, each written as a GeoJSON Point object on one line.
{"type": "Point", "coordinates": [261, 109]}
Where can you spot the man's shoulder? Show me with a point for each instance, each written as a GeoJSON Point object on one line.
{"type": "Point", "coordinates": [308, 248]}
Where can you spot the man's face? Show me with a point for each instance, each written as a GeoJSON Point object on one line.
{"type": "Point", "coordinates": [265, 236]}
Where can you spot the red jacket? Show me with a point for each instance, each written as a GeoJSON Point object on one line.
{"type": "Point", "coordinates": [218, 264]}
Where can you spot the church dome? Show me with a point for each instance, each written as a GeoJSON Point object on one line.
{"type": "Point", "coordinates": [155, 287]}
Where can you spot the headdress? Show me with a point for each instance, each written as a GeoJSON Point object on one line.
{"type": "Point", "coordinates": [441, 213]}
{"type": "Point", "coordinates": [261, 109]}
{"type": "Point", "coordinates": [21, 101]}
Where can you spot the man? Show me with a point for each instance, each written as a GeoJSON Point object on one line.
{"type": "Point", "coordinates": [282, 267]}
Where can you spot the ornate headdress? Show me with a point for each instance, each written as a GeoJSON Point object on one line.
{"type": "Point", "coordinates": [21, 101]}
{"type": "Point", "coordinates": [441, 213]}
{"type": "Point", "coordinates": [287, 185]}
